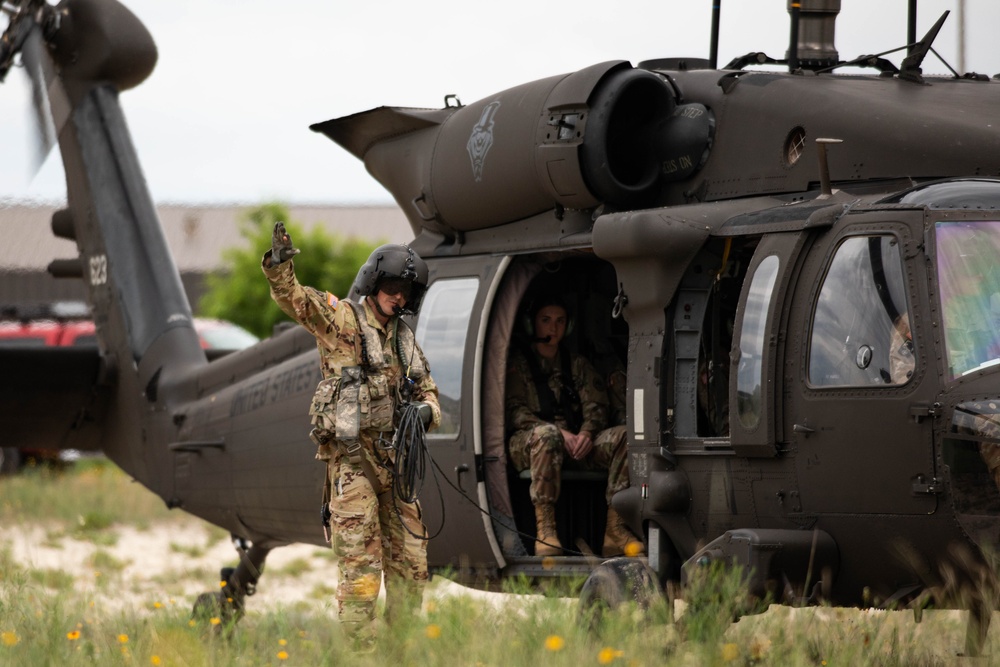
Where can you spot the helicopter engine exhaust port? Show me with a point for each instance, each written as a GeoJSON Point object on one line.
{"type": "Point", "coordinates": [640, 138]}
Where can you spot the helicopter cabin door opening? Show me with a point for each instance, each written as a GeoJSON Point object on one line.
{"type": "Point", "coordinates": [587, 286]}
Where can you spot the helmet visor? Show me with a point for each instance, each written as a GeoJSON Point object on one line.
{"type": "Point", "coordinates": [394, 286]}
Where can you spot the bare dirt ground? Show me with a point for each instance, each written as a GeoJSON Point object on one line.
{"type": "Point", "coordinates": [171, 563]}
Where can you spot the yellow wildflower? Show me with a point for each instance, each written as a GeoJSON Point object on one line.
{"type": "Point", "coordinates": [607, 655]}
{"type": "Point", "coordinates": [155, 659]}
{"type": "Point", "coordinates": [433, 631]}
{"type": "Point", "coordinates": [157, 605]}
{"type": "Point", "coordinates": [730, 652]}
{"type": "Point", "coordinates": [192, 623]}
{"type": "Point", "coordinates": [73, 635]}
{"type": "Point", "coordinates": [123, 639]}
{"type": "Point", "coordinates": [222, 584]}
{"type": "Point", "coordinates": [215, 620]}
{"type": "Point", "coordinates": [554, 643]}
{"type": "Point", "coordinates": [282, 642]}
{"type": "Point", "coordinates": [282, 655]}
{"type": "Point", "coordinates": [9, 638]}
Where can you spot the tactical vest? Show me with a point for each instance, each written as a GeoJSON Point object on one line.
{"type": "Point", "coordinates": [360, 398]}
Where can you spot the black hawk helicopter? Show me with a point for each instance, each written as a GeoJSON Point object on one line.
{"type": "Point", "coordinates": [797, 270]}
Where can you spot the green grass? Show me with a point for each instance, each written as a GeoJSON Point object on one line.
{"type": "Point", "coordinates": [46, 620]}
{"type": "Point", "coordinates": [41, 628]}
{"type": "Point", "coordinates": [90, 496]}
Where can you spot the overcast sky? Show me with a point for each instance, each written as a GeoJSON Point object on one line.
{"type": "Point", "coordinates": [225, 116]}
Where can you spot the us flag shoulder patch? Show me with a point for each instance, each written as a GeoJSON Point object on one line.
{"type": "Point", "coordinates": [332, 300]}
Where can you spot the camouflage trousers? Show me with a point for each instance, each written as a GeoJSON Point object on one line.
{"type": "Point", "coordinates": [369, 538]}
{"type": "Point", "coordinates": [541, 449]}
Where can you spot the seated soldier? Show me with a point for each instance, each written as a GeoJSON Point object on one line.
{"type": "Point", "coordinates": [901, 360]}
{"type": "Point", "coordinates": [556, 406]}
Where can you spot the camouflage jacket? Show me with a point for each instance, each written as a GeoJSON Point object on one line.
{"type": "Point", "coordinates": [522, 403]}
{"type": "Point", "coordinates": [344, 342]}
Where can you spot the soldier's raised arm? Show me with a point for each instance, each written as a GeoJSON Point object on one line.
{"type": "Point", "coordinates": [310, 307]}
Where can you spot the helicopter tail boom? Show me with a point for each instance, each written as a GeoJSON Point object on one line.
{"type": "Point", "coordinates": [143, 321]}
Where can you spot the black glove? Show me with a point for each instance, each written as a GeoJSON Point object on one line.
{"type": "Point", "coordinates": [282, 249]}
{"type": "Point", "coordinates": [425, 413]}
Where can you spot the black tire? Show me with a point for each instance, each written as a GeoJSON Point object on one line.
{"type": "Point", "coordinates": [615, 583]}
{"type": "Point", "coordinates": [10, 460]}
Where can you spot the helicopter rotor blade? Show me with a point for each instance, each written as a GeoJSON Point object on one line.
{"type": "Point", "coordinates": [33, 58]}
{"type": "Point", "coordinates": [30, 24]}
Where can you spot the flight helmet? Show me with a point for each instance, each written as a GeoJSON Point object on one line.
{"type": "Point", "coordinates": [393, 262]}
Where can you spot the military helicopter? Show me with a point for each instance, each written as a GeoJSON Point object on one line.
{"type": "Point", "coordinates": [796, 269]}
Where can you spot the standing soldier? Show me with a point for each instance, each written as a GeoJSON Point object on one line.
{"type": "Point", "coordinates": [557, 406]}
{"type": "Point", "coordinates": [373, 372]}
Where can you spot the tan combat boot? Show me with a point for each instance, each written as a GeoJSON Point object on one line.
{"type": "Point", "coordinates": [547, 543]}
{"type": "Point", "coordinates": [618, 539]}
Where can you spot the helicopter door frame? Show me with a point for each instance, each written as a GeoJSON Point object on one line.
{"type": "Point", "coordinates": [842, 428]}
{"type": "Point", "coordinates": [458, 453]}
{"type": "Point", "coordinates": [755, 427]}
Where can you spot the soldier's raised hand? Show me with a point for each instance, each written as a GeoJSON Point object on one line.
{"type": "Point", "coordinates": [282, 249]}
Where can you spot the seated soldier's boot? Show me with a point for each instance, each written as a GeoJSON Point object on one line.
{"type": "Point", "coordinates": [618, 539]}
{"type": "Point", "coordinates": [547, 542]}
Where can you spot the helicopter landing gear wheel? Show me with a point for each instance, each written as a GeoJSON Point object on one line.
{"type": "Point", "coordinates": [615, 583]}
{"type": "Point", "coordinates": [227, 604]}
{"type": "Point", "coordinates": [221, 605]}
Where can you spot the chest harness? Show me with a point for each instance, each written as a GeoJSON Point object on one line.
{"type": "Point", "coordinates": [568, 406]}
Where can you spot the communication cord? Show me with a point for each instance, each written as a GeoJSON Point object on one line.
{"type": "Point", "coordinates": [410, 467]}
{"type": "Point", "coordinates": [411, 470]}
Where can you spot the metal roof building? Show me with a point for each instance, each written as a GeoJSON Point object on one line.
{"type": "Point", "coordinates": [197, 235]}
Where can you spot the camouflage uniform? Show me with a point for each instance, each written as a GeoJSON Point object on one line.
{"type": "Point", "coordinates": [367, 532]}
{"type": "Point", "coordinates": [538, 445]}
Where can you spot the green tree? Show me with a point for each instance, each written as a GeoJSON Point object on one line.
{"type": "Point", "coordinates": [239, 292]}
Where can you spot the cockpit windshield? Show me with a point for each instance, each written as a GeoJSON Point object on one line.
{"type": "Point", "coordinates": [968, 272]}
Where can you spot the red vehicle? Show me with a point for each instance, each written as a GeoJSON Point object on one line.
{"type": "Point", "coordinates": [218, 338]}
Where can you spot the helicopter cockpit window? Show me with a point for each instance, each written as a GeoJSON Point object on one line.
{"type": "Point", "coordinates": [861, 328]}
{"type": "Point", "coordinates": [750, 377]}
{"type": "Point", "coordinates": [969, 285]}
{"type": "Point", "coordinates": [441, 333]}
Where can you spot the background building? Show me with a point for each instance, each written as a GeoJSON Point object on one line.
{"type": "Point", "coordinates": [197, 235]}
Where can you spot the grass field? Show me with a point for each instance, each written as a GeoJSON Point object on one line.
{"type": "Point", "coordinates": [94, 570]}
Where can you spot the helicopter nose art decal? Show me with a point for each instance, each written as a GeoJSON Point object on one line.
{"type": "Point", "coordinates": [481, 139]}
